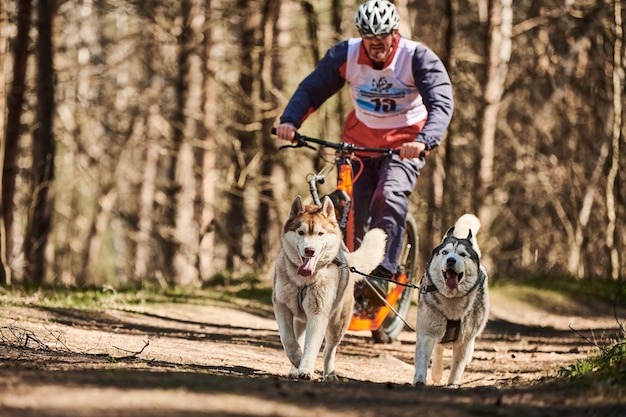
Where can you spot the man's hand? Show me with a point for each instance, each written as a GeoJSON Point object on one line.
{"type": "Point", "coordinates": [286, 131]}
{"type": "Point", "coordinates": [412, 150]}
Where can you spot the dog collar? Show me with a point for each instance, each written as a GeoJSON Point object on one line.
{"type": "Point", "coordinates": [427, 288]}
{"type": "Point", "coordinates": [424, 289]}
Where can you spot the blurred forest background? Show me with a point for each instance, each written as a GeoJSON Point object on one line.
{"type": "Point", "coordinates": [136, 145]}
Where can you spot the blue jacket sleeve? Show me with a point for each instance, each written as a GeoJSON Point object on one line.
{"type": "Point", "coordinates": [326, 80]}
{"type": "Point", "coordinates": [433, 83]}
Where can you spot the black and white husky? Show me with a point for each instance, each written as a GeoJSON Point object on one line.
{"type": "Point", "coordinates": [453, 305]}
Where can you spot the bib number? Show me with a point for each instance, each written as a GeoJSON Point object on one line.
{"type": "Point", "coordinates": [384, 105]}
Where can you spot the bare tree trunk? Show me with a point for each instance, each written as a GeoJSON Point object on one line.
{"type": "Point", "coordinates": [207, 153]}
{"type": "Point", "coordinates": [5, 271]}
{"type": "Point", "coordinates": [270, 72]}
{"type": "Point", "coordinates": [147, 252]}
{"type": "Point", "coordinates": [245, 152]}
{"type": "Point", "coordinates": [170, 245]}
{"type": "Point", "coordinates": [336, 17]}
{"type": "Point", "coordinates": [145, 249]}
{"type": "Point", "coordinates": [499, 53]}
{"type": "Point", "coordinates": [406, 26]}
{"type": "Point", "coordinates": [335, 117]}
{"type": "Point", "coordinates": [39, 223]}
{"type": "Point", "coordinates": [207, 226]}
{"type": "Point", "coordinates": [437, 209]}
{"type": "Point", "coordinates": [451, 35]}
{"type": "Point", "coordinates": [483, 11]}
{"type": "Point", "coordinates": [611, 183]}
{"type": "Point", "coordinates": [15, 103]}
{"type": "Point", "coordinates": [312, 26]}
{"type": "Point", "coordinates": [187, 233]}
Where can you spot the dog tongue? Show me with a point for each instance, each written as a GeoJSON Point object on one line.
{"type": "Point", "coordinates": [308, 266]}
{"type": "Point", "coordinates": [452, 279]}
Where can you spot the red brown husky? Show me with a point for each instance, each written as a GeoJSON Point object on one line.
{"type": "Point", "coordinates": [313, 291]}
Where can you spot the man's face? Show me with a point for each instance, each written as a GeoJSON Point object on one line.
{"type": "Point", "coordinates": [378, 47]}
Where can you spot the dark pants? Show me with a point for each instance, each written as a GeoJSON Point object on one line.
{"type": "Point", "coordinates": [381, 200]}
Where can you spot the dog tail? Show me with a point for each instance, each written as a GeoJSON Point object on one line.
{"type": "Point", "coordinates": [464, 225]}
{"type": "Point", "coordinates": [371, 252]}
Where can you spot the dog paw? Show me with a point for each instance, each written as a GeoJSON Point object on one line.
{"type": "Point", "coordinates": [419, 383]}
{"type": "Point", "coordinates": [293, 373]}
{"type": "Point", "coordinates": [453, 386]}
{"type": "Point", "coordinates": [331, 377]}
{"type": "Point", "coordinates": [305, 375]}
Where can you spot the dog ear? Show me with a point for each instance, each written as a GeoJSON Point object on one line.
{"type": "Point", "coordinates": [449, 232]}
{"type": "Point", "coordinates": [469, 235]}
{"type": "Point", "coordinates": [328, 208]}
{"type": "Point", "coordinates": [296, 208]}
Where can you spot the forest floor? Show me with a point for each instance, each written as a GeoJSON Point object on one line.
{"type": "Point", "coordinates": [206, 357]}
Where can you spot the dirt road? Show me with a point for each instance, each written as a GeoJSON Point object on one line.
{"type": "Point", "coordinates": [210, 358]}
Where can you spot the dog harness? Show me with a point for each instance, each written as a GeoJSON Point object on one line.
{"type": "Point", "coordinates": [427, 288]}
{"type": "Point", "coordinates": [453, 327]}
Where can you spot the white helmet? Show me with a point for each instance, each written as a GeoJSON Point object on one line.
{"type": "Point", "coordinates": [377, 17]}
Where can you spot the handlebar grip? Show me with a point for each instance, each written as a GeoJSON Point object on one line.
{"type": "Point", "coordinates": [297, 137]}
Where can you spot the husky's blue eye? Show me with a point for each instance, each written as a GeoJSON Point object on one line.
{"type": "Point", "coordinates": [444, 252]}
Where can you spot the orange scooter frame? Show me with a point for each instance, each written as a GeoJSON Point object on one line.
{"type": "Point", "coordinates": [362, 320]}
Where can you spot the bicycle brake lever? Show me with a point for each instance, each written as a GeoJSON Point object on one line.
{"type": "Point", "coordinates": [297, 145]}
{"type": "Point", "coordinates": [300, 142]}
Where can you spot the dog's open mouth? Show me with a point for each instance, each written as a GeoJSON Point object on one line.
{"type": "Point", "coordinates": [452, 278]}
{"type": "Point", "coordinates": [307, 267]}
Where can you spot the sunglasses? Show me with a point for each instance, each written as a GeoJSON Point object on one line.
{"type": "Point", "coordinates": [371, 36]}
